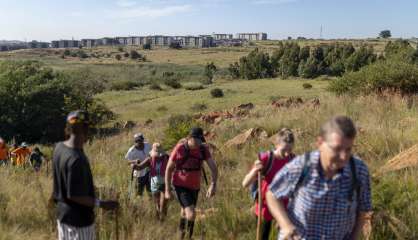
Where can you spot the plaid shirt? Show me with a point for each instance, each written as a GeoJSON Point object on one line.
{"type": "Point", "coordinates": [320, 208]}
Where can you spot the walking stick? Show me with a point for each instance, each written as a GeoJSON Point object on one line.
{"type": "Point", "coordinates": [260, 201]}
{"type": "Point", "coordinates": [117, 223]}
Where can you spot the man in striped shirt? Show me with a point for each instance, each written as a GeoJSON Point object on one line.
{"type": "Point", "coordinates": [329, 189]}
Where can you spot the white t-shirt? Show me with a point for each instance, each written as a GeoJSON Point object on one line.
{"type": "Point", "coordinates": [134, 154]}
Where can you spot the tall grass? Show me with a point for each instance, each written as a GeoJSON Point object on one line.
{"type": "Point", "coordinates": [387, 126]}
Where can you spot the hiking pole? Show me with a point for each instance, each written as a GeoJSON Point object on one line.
{"type": "Point", "coordinates": [117, 223]}
{"type": "Point", "coordinates": [204, 176]}
{"type": "Point", "coordinates": [260, 200]}
{"type": "Point", "coordinates": [131, 185]}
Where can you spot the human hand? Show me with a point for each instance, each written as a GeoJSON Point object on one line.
{"type": "Point", "coordinates": [211, 191]}
{"type": "Point", "coordinates": [258, 166]}
{"type": "Point", "coordinates": [290, 233]}
{"type": "Point", "coordinates": [167, 194]}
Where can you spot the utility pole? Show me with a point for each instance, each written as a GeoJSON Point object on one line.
{"type": "Point", "coordinates": [320, 33]}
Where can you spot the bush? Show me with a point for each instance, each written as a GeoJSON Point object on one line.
{"type": "Point", "coordinates": [210, 70]}
{"type": "Point", "coordinates": [173, 83]}
{"type": "Point", "coordinates": [178, 128]}
{"type": "Point", "coordinates": [82, 54]}
{"type": "Point", "coordinates": [124, 85]}
{"type": "Point", "coordinates": [126, 55]}
{"type": "Point", "coordinates": [155, 86]}
{"type": "Point", "coordinates": [379, 77]}
{"type": "Point", "coordinates": [121, 49]}
{"type": "Point", "coordinates": [118, 57]}
{"type": "Point", "coordinates": [194, 86]}
{"type": "Point", "coordinates": [233, 70]}
{"type": "Point", "coordinates": [45, 97]}
{"type": "Point", "coordinates": [162, 109]}
{"type": "Point", "coordinates": [307, 86]}
{"type": "Point", "coordinates": [217, 93]}
{"type": "Point", "coordinates": [147, 46]}
{"type": "Point", "coordinates": [198, 107]}
{"type": "Point", "coordinates": [67, 52]}
{"type": "Point", "coordinates": [256, 65]}
{"type": "Point", "coordinates": [136, 56]}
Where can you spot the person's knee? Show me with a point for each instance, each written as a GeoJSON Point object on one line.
{"type": "Point", "coordinates": [190, 213]}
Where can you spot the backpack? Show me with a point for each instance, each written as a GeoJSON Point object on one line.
{"type": "Point", "coordinates": [355, 186]}
{"type": "Point", "coordinates": [196, 166]}
{"type": "Point", "coordinates": [266, 170]}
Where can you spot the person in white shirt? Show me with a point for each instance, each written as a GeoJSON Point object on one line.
{"type": "Point", "coordinates": [135, 155]}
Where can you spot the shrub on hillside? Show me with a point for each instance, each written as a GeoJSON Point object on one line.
{"type": "Point", "coordinates": [155, 86]}
{"type": "Point", "coordinates": [34, 94]}
{"type": "Point", "coordinates": [147, 46]}
{"type": "Point", "coordinates": [121, 49]}
{"type": "Point", "coordinates": [256, 65]}
{"type": "Point", "coordinates": [198, 107]}
{"type": "Point", "coordinates": [209, 73]}
{"type": "Point", "coordinates": [67, 52]}
{"type": "Point", "coordinates": [178, 128]}
{"type": "Point", "coordinates": [118, 57]}
{"type": "Point", "coordinates": [136, 56]}
{"type": "Point", "coordinates": [126, 55]}
{"type": "Point", "coordinates": [162, 109]}
{"type": "Point", "coordinates": [217, 93]}
{"type": "Point", "coordinates": [307, 86]}
{"type": "Point", "coordinates": [124, 85]}
{"type": "Point", "coordinates": [173, 83]}
{"type": "Point", "coordinates": [379, 77]}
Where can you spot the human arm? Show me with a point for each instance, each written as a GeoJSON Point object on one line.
{"type": "Point", "coordinates": [143, 164]}
{"type": "Point", "coordinates": [251, 177]}
{"type": "Point", "coordinates": [168, 176]}
{"type": "Point", "coordinates": [214, 173]}
{"type": "Point", "coordinates": [278, 211]}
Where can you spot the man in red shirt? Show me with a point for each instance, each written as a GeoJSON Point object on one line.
{"type": "Point", "coordinates": [184, 172]}
{"type": "Point", "coordinates": [269, 163]}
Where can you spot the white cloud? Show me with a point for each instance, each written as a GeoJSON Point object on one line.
{"type": "Point", "coordinates": [125, 3]}
{"type": "Point", "coordinates": [152, 12]}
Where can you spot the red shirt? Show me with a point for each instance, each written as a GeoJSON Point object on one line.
{"type": "Point", "coordinates": [277, 164]}
{"type": "Point", "coordinates": [188, 179]}
{"type": "Point", "coordinates": [158, 165]}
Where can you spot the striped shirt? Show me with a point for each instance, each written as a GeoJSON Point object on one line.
{"type": "Point", "coordinates": [321, 208]}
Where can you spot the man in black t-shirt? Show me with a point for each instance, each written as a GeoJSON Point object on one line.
{"type": "Point", "coordinates": [73, 189]}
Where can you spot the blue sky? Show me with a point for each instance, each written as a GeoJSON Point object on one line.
{"type": "Point", "coordinates": [56, 19]}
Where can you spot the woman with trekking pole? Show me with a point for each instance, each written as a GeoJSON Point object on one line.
{"type": "Point", "coordinates": [262, 174]}
{"type": "Point", "coordinates": [184, 172]}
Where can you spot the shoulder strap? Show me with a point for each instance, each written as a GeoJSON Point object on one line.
{"type": "Point", "coordinates": [306, 161]}
{"type": "Point", "coordinates": [267, 168]}
{"type": "Point", "coordinates": [354, 186]}
{"type": "Point", "coordinates": [202, 151]}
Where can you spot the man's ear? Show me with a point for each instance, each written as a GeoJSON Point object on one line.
{"type": "Point", "coordinates": [319, 141]}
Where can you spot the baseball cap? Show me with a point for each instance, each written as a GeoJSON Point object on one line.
{"type": "Point", "coordinates": [24, 144]}
{"type": "Point", "coordinates": [139, 137]}
{"type": "Point", "coordinates": [197, 132]}
{"type": "Point", "coordinates": [78, 116]}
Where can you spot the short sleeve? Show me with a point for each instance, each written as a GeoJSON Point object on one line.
{"type": "Point", "coordinates": [78, 179]}
{"type": "Point", "coordinates": [365, 202]}
{"type": "Point", "coordinates": [128, 154]}
{"type": "Point", "coordinates": [285, 181]}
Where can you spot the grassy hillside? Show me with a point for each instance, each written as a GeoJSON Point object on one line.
{"type": "Point", "coordinates": [387, 126]}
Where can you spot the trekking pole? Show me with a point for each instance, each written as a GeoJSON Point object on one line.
{"type": "Point", "coordinates": [260, 201]}
{"type": "Point", "coordinates": [117, 219]}
{"type": "Point", "coordinates": [204, 176]}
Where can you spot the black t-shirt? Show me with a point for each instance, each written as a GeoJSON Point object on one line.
{"type": "Point", "coordinates": [72, 178]}
{"type": "Point", "coordinates": [36, 158]}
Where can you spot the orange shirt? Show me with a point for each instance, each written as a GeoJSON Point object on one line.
{"type": "Point", "coordinates": [4, 152]}
{"type": "Point", "coordinates": [21, 154]}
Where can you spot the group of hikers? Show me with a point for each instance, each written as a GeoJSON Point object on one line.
{"type": "Point", "coordinates": [21, 156]}
{"type": "Point", "coordinates": [320, 195]}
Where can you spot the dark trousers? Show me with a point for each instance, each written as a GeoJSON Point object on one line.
{"type": "Point", "coordinates": [265, 229]}
{"type": "Point", "coordinates": [144, 183]}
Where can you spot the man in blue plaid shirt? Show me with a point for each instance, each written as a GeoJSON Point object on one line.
{"type": "Point", "coordinates": [329, 189]}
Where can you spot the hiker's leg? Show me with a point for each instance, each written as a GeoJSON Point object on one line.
{"type": "Point", "coordinates": [140, 186]}
{"type": "Point", "coordinates": [156, 198]}
{"type": "Point", "coordinates": [183, 222]}
{"type": "Point", "coordinates": [265, 230]}
{"type": "Point", "coordinates": [163, 207]}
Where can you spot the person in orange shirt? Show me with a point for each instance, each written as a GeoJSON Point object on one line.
{"type": "Point", "coordinates": [21, 154]}
{"type": "Point", "coordinates": [4, 152]}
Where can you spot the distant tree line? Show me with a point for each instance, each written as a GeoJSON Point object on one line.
{"type": "Point", "coordinates": [292, 60]}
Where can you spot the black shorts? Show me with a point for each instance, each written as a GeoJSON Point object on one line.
{"type": "Point", "coordinates": [187, 197]}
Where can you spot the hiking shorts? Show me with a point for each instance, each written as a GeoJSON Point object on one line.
{"type": "Point", "coordinates": [67, 232]}
{"type": "Point", "coordinates": [187, 197]}
{"type": "Point", "coordinates": [143, 184]}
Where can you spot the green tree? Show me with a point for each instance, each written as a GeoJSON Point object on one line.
{"type": "Point", "coordinates": [210, 70]}
{"type": "Point", "coordinates": [385, 34]}
{"type": "Point", "coordinates": [35, 101]}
